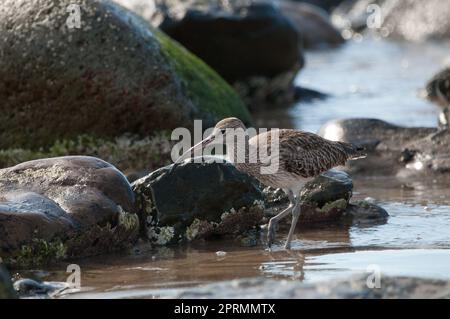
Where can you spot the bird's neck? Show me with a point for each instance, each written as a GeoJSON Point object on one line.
{"type": "Point", "coordinates": [238, 151]}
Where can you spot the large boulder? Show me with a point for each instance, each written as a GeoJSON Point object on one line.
{"type": "Point", "coordinates": [197, 200]}
{"type": "Point", "coordinates": [55, 208]}
{"type": "Point", "coordinates": [388, 146]}
{"type": "Point", "coordinates": [250, 43]}
{"type": "Point", "coordinates": [114, 75]}
{"type": "Point", "coordinates": [313, 24]}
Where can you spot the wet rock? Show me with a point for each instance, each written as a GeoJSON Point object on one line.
{"type": "Point", "coordinates": [55, 208]}
{"type": "Point", "coordinates": [324, 199]}
{"type": "Point", "coordinates": [354, 287]}
{"type": "Point", "coordinates": [313, 24]}
{"type": "Point", "coordinates": [428, 155]}
{"type": "Point", "coordinates": [95, 79]}
{"type": "Point", "coordinates": [197, 200]}
{"type": "Point", "coordinates": [385, 143]}
{"type": "Point", "coordinates": [27, 288]}
{"type": "Point", "coordinates": [438, 88]}
{"type": "Point", "coordinates": [6, 287]}
{"type": "Point", "coordinates": [250, 43]}
{"type": "Point", "coordinates": [411, 20]}
{"type": "Point", "coordinates": [363, 212]}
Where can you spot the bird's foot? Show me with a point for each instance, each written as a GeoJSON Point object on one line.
{"type": "Point", "coordinates": [287, 246]}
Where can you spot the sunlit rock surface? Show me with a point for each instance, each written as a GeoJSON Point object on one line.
{"type": "Point", "coordinates": [384, 142]}
{"type": "Point", "coordinates": [411, 20]}
{"type": "Point", "coordinates": [55, 208]}
{"type": "Point", "coordinates": [438, 88]}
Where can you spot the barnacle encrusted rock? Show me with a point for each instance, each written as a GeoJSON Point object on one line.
{"type": "Point", "coordinates": [55, 208]}
{"type": "Point", "coordinates": [197, 200]}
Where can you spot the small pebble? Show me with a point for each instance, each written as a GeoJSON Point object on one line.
{"type": "Point", "coordinates": [221, 253]}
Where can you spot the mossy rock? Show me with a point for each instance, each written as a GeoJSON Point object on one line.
{"type": "Point", "coordinates": [112, 76]}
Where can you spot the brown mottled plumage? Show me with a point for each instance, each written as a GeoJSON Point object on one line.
{"type": "Point", "coordinates": [301, 157]}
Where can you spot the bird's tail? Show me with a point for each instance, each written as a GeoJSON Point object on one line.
{"type": "Point", "coordinates": [353, 151]}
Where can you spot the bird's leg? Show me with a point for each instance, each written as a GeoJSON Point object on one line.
{"type": "Point", "coordinates": [295, 215]}
{"type": "Point", "coordinates": [273, 222]}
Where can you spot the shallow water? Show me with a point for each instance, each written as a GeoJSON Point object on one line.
{"type": "Point", "coordinates": [372, 78]}
{"type": "Point", "coordinates": [367, 79]}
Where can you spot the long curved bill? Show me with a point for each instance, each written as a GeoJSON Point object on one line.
{"type": "Point", "coordinates": [201, 145]}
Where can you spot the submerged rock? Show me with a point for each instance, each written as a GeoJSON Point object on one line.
{"type": "Point", "coordinates": [113, 75]}
{"type": "Point", "coordinates": [385, 143]}
{"type": "Point", "coordinates": [56, 208]}
{"type": "Point", "coordinates": [32, 288]}
{"type": "Point", "coordinates": [250, 43]}
{"type": "Point", "coordinates": [313, 24]}
{"type": "Point", "coordinates": [6, 287]}
{"type": "Point", "coordinates": [197, 200]}
{"type": "Point", "coordinates": [363, 212]}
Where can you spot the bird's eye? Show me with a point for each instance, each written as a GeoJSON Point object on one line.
{"type": "Point", "coordinates": [223, 131]}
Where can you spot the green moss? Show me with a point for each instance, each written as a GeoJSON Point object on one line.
{"type": "Point", "coordinates": [127, 153]}
{"type": "Point", "coordinates": [204, 86]}
{"type": "Point", "coordinates": [338, 204]}
{"type": "Point", "coordinates": [38, 253]}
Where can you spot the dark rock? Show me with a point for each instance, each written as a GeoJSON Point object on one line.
{"type": "Point", "coordinates": [363, 212]}
{"type": "Point", "coordinates": [6, 287]}
{"type": "Point", "coordinates": [60, 82]}
{"type": "Point", "coordinates": [313, 24]}
{"type": "Point", "coordinates": [197, 200]}
{"type": "Point", "coordinates": [324, 199]}
{"type": "Point", "coordinates": [308, 95]}
{"type": "Point", "coordinates": [385, 143]}
{"type": "Point", "coordinates": [62, 207]}
{"type": "Point", "coordinates": [438, 88]}
{"type": "Point", "coordinates": [250, 43]}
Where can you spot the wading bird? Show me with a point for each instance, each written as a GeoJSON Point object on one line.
{"type": "Point", "coordinates": [300, 156]}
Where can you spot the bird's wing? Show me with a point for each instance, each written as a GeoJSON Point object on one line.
{"type": "Point", "coordinates": [308, 155]}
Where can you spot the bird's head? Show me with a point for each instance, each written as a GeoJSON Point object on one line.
{"type": "Point", "coordinates": [221, 129]}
